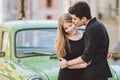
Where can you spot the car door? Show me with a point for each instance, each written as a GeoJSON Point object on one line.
{"type": "Point", "coordinates": [4, 35]}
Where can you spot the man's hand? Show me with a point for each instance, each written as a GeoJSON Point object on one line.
{"type": "Point", "coordinates": [63, 63]}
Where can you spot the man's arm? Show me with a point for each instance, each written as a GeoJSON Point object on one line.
{"type": "Point", "coordinates": [75, 61]}
{"type": "Point", "coordinates": [64, 63]}
{"type": "Point", "coordinates": [73, 64]}
{"type": "Point", "coordinates": [78, 66]}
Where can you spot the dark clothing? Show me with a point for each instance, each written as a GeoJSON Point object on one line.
{"type": "Point", "coordinates": [96, 78]}
{"type": "Point", "coordinates": [96, 48]}
{"type": "Point", "coordinates": [77, 48]}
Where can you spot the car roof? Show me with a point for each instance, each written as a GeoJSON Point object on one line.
{"type": "Point", "coordinates": [24, 24]}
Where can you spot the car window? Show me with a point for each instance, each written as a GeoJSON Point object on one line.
{"type": "Point", "coordinates": [35, 42]}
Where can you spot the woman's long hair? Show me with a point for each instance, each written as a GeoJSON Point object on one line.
{"type": "Point", "coordinates": [62, 41]}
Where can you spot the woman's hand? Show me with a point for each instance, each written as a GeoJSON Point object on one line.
{"type": "Point", "coordinates": [62, 63]}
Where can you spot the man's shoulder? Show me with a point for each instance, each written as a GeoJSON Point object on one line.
{"type": "Point", "coordinates": [96, 24]}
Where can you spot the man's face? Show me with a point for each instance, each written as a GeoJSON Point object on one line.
{"type": "Point", "coordinates": [77, 21]}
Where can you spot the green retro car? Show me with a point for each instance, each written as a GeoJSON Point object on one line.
{"type": "Point", "coordinates": [27, 51]}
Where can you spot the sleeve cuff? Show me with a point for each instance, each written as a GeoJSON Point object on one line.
{"type": "Point", "coordinates": [85, 59]}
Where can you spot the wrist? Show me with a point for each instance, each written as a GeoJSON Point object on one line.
{"type": "Point", "coordinates": [67, 64]}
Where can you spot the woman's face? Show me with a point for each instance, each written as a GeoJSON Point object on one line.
{"type": "Point", "coordinates": [69, 28]}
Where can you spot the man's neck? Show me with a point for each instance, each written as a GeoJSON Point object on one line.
{"type": "Point", "coordinates": [87, 21]}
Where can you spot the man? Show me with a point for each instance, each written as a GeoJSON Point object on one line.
{"type": "Point", "coordinates": [96, 44]}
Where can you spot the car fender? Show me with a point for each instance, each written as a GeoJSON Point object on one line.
{"type": "Point", "coordinates": [116, 69]}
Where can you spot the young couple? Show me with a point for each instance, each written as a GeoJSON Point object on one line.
{"type": "Point", "coordinates": [83, 56]}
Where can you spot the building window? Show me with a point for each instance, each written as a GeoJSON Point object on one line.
{"type": "Point", "coordinates": [49, 3]}
{"type": "Point", "coordinates": [49, 17]}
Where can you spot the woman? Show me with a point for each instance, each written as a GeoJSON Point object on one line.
{"type": "Point", "coordinates": [69, 45]}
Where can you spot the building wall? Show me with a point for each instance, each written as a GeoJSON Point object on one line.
{"type": "Point", "coordinates": [1, 11]}
{"type": "Point", "coordinates": [105, 10]}
{"type": "Point", "coordinates": [38, 9]}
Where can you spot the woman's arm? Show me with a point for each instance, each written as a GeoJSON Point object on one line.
{"type": "Point", "coordinates": [78, 66]}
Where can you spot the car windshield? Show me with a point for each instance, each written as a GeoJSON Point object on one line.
{"type": "Point", "coordinates": [35, 42]}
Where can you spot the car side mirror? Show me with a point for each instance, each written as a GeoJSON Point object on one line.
{"type": "Point", "coordinates": [53, 56]}
{"type": "Point", "coordinates": [2, 54]}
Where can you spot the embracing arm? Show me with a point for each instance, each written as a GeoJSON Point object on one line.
{"type": "Point", "coordinates": [73, 64]}
{"type": "Point", "coordinates": [64, 63]}
{"type": "Point", "coordinates": [75, 61]}
{"type": "Point", "coordinates": [78, 66]}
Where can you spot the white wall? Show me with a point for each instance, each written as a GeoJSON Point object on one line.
{"type": "Point", "coordinates": [1, 11]}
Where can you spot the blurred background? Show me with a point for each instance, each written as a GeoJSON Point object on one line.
{"type": "Point", "coordinates": [107, 11]}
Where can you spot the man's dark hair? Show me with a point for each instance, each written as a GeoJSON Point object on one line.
{"type": "Point", "coordinates": [80, 9]}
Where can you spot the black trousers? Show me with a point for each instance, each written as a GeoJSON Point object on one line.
{"type": "Point", "coordinates": [96, 78]}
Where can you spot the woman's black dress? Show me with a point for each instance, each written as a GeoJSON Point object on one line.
{"type": "Point", "coordinates": [77, 48]}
